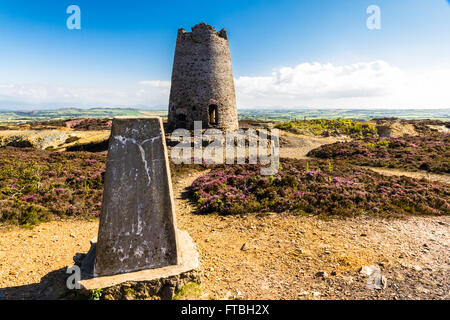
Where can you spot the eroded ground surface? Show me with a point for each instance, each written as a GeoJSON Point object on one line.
{"type": "Point", "coordinates": [57, 140]}
{"type": "Point", "coordinates": [281, 256]}
{"type": "Point", "coordinates": [26, 256]}
{"type": "Point", "coordinates": [296, 146]}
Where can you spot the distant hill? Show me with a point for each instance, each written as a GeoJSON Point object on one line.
{"type": "Point", "coordinates": [13, 117]}
{"type": "Point", "coordinates": [353, 114]}
{"type": "Point", "coordinates": [263, 114]}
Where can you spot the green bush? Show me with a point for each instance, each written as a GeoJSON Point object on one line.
{"type": "Point", "coordinates": [355, 129]}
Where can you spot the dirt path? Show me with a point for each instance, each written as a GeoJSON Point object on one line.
{"type": "Point", "coordinates": [417, 175]}
{"type": "Point", "coordinates": [296, 146]}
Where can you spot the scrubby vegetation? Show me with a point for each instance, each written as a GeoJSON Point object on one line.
{"type": "Point", "coordinates": [430, 153]}
{"type": "Point", "coordinates": [190, 291]}
{"type": "Point", "coordinates": [89, 124]}
{"type": "Point", "coordinates": [355, 129]}
{"type": "Point", "coordinates": [317, 187]}
{"type": "Point", "coordinates": [38, 185]}
{"type": "Point", "coordinates": [76, 124]}
{"type": "Point", "coordinates": [72, 139]}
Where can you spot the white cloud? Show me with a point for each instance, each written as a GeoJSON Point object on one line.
{"type": "Point", "coordinates": [156, 83]}
{"type": "Point", "coordinates": [146, 93]}
{"type": "Point", "coordinates": [374, 84]}
{"type": "Point", "coordinates": [360, 85]}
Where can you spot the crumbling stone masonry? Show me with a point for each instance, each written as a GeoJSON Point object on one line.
{"type": "Point", "coordinates": [202, 81]}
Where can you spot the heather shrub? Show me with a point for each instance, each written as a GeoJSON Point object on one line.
{"type": "Point", "coordinates": [430, 153]}
{"type": "Point", "coordinates": [326, 189]}
{"type": "Point", "coordinates": [37, 185]}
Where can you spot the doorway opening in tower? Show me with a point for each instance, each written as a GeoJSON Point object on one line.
{"type": "Point", "coordinates": [213, 114]}
{"type": "Point", "coordinates": [181, 121]}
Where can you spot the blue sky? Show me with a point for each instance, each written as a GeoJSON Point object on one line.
{"type": "Point", "coordinates": [123, 54]}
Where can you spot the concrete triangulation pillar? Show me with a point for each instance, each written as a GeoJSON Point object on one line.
{"type": "Point", "coordinates": [138, 240]}
{"type": "Point", "coordinates": [137, 223]}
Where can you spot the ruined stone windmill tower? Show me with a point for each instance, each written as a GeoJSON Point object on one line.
{"type": "Point", "coordinates": [202, 81]}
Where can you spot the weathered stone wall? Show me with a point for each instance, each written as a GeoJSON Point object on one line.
{"type": "Point", "coordinates": [202, 78]}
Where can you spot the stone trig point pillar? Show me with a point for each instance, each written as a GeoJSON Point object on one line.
{"type": "Point", "coordinates": [138, 240]}
{"type": "Point", "coordinates": [137, 225]}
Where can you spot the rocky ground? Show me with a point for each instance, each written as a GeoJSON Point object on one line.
{"type": "Point", "coordinates": [272, 256]}
{"type": "Point", "coordinates": [296, 146]}
{"type": "Point", "coordinates": [57, 140]}
{"type": "Point", "coordinates": [291, 257]}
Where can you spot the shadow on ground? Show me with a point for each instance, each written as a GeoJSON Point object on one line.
{"type": "Point", "coordinates": [51, 287]}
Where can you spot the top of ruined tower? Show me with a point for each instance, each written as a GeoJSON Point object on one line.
{"type": "Point", "coordinates": [202, 29]}
{"type": "Point", "coordinates": [202, 80]}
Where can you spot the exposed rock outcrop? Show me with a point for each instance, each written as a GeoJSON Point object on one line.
{"type": "Point", "coordinates": [57, 140]}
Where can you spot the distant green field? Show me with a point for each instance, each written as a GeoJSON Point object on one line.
{"type": "Point", "coordinates": [15, 117]}
{"type": "Point", "coordinates": [362, 114]}
{"type": "Point", "coordinates": [62, 114]}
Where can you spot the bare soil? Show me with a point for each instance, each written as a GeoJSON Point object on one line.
{"type": "Point", "coordinates": [296, 146]}
{"type": "Point", "coordinates": [33, 262]}
{"type": "Point", "coordinates": [417, 175]}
